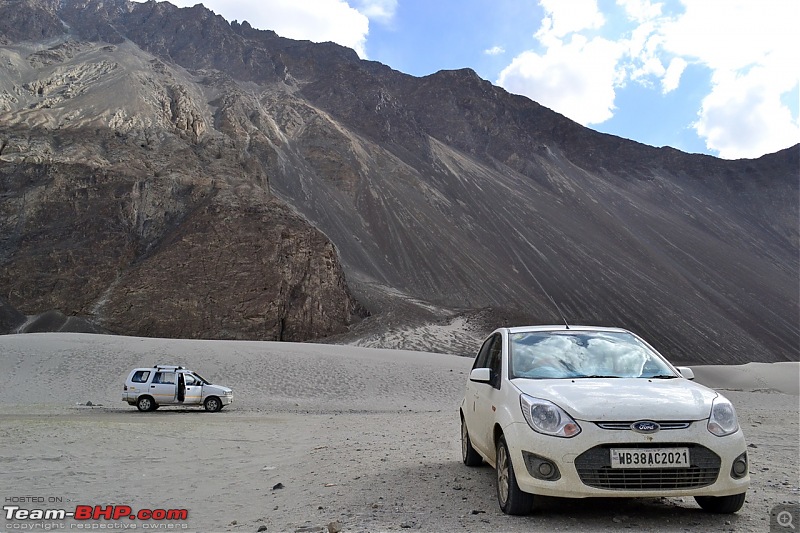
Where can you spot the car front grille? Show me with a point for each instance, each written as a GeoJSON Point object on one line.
{"type": "Point", "coordinates": [594, 469]}
{"type": "Point", "coordinates": [626, 426]}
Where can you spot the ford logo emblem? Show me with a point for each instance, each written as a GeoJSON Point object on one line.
{"type": "Point", "coordinates": [645, 426]}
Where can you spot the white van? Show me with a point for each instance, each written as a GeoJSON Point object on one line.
{"type": "Point", "coordinates": [150, 388]}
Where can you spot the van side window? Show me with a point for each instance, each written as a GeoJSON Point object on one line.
{"type": "Point", "coordinates": [140, 376]}
{"type": "Point", "coordinates": [165, 377]}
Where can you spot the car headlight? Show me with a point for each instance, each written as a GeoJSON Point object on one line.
{"type": "Point", "coordinates": [547, 418]}
{"type": "Point", "coordinates": [723, 419]}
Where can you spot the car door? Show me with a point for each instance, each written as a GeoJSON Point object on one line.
{"type": "Point", "coordinates": [471, 396]}
{"type": "Point", "coordinates": [481, 421]}
{"type": "Point", "coordinates": [193, 389]}
{"type": "Point", "coordinates": [164, 387]}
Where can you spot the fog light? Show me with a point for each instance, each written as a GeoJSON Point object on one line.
{"type": "Point", "coordinates": [540, 467]}
{"type": "Point", "coordinates": [545, 469]}
{"type": "Point", "coordinates": [739, 469]}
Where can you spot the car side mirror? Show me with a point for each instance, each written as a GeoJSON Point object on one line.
{"type": "Point", "coordinates": [481, 375]}
{"type": "Point", "coordinates": [686, 372]}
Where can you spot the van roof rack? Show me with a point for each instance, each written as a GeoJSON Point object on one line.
{"type": "Point", "coordinates": [167, 367]}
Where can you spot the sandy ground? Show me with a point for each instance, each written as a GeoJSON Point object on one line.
{"type": "Point", "coordinates": [320, 438]}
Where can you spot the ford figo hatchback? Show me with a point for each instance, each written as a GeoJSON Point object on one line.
{"type": "Point", "coordinates": [587, 411]}
{"type": "Point", "coordinates": [150, 388]}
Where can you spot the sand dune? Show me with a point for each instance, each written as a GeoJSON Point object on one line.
{"type": "Point", "coordinates": [319, 438]}
{"type": "Point", "coordinates": [780, 377]}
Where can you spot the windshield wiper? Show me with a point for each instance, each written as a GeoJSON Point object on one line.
{"type": "Point", "coordinates": [663, 376]}
{"type": "Point", "coordinates": [596, 376]}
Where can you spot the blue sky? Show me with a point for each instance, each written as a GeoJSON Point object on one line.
{"type": "Point", "coordinates": [718, 77]}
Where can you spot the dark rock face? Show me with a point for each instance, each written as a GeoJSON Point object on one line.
{"type": "Point", "coordinates": [10, 318]}
{"type": "Point", "coordinates": [174, 256]}
{"type": "Point", "coordinates": [26, 20]}
{"type": "Point", "coordinates": [258, 272]}
{"type": "Point", "coordinates": [166, 173]}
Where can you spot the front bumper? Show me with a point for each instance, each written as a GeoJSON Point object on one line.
{"type": "Point", "coordinates": [583, 463]}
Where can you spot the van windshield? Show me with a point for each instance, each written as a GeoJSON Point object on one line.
{"type": "Point", "coordinates": [199, 378]}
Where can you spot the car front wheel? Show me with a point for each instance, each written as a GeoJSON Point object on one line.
{"type": "Point", "coordinates": [512, 500]}
{"type": "Point", "coordinates": [721, 504]}
{"type": "Point", "coordinates": [468, 453]}
{"type": "Point", "coordinates": [212, 404]}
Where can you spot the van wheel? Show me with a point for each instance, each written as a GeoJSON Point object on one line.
{"type": "Point", "coordinates": [146, 403]}
{"type": "Point", "coordinates": [212, 404]}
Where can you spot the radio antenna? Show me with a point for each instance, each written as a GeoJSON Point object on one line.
{"type": "Point", "coordinates": [552, 300]}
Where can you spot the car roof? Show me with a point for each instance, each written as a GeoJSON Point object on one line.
{"type": "Point", "coordinates": [533, 329]}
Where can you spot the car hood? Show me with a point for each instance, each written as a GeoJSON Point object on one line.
{"type": "Point", "coordinates": [624, 399]}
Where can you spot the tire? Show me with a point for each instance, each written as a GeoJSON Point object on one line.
{"type": "Point", "coordinates": [145, 404]}
{"type": "Point", "coordinates": [468, 453]}
{"type": "Point", "coordinates": [512, 500]}
{"type": "Point", "coordinates": [721, 504]}
{"type": "Point", "coordinates": [212, 404]}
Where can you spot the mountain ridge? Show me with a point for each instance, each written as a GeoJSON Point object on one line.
{"type": "Point", "coordinates": [439, 197]}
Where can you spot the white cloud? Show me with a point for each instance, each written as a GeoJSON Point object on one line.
{"type": "Point", "coordinates": [731, 34]}
{"type": "Point", "coordinates": [575, 75]}
{"type": "Point", "coordinates": [753, 52]}
{"type": "Point", "coordinates": [313, 20]}
{"type": "Point", "coordinates": [576, 79]}
{"type": "Point", "coordinates": [379, 10]}
{"type": "Point", "coordinates": [563, 18]}
{"type": "Point", "coordinates": [743, 116]}
{"type": "Point", "coordinates": [641, 10]}
{"type": "Point", "coordinates": [495, 51]}
{"type": "Point", "coordinates": [672, 76]}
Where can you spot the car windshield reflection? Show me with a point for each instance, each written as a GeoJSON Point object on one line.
{"type": "Point", "coordinates": [571, 355]}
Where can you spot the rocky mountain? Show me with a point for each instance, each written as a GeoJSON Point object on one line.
{"type": "Point", "coordinates": [164, 172]}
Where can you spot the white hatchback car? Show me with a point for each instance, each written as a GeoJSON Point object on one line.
{"type": "Point", "coordinates": [588, 411]}
{"type": "Point", "coordinates": [150, 388]}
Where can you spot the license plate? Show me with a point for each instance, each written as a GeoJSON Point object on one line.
{"type": "Point", "coordinates": [650, 458]}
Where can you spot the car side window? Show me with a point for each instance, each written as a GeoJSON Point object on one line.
{"type": "Point", "coordinates": [140, 376]}
{"type": "Point", "coordinates": [489, 357]}
{"type": "Point", "coordinates": [482, 361]}
{"type": "Point", "coordinates": [495, 361]}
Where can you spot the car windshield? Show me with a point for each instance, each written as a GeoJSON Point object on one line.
{"type": "Point", "coordinates": [582, 354]}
